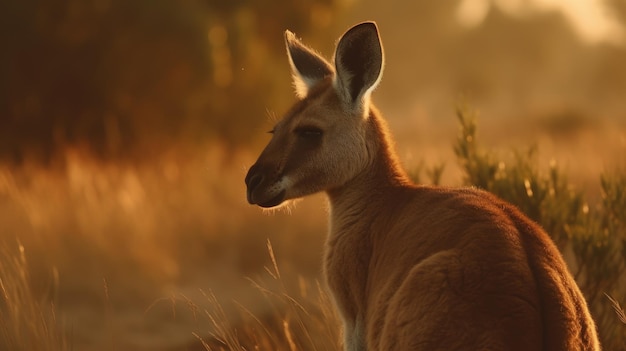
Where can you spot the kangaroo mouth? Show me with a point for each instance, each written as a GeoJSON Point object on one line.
{"type": "Point", "coordinates": [273, 202]}
{"type": "Point", "coordinates": [257, 198]}
{"type": "Point", "coordinates": [258, 195]}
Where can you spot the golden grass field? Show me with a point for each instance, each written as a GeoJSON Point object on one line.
{"type": "Point", "coordinates": [167, 254]}
{"type": "Point", "coordinates": [129, 257]}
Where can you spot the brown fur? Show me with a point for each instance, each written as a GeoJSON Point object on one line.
{"type": "Point", "coordinates": [411, 267]}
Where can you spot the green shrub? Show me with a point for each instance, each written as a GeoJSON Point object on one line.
{"type": "Point", "coordinates": [592, 237]}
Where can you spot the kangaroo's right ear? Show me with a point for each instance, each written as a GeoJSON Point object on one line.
{"type": "Point", "coordinates": [307, 67]}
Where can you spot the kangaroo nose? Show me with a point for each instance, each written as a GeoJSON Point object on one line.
{"type": "Point", "coordinates": [253, 179]}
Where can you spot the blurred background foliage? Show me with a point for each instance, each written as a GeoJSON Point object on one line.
{"type": "Point", "coordinates": [129, 78]}
{"type": "Point", "coordinates": [126, 78]}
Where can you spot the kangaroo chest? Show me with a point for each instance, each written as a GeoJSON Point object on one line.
{"type": "Point", "coordinates": [346, 266]}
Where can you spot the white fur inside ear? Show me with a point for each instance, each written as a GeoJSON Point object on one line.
{"type": "Point", "coordinates": [307, 66]}
{"type": "Point", "coordinates": [301, 84]}
{"type": "Point", "coordinates": [338, 85]}
{"type": "Point", "coordinates": [362, 105]}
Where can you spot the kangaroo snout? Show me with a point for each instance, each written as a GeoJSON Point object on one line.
{"type": "Point", "coordinates": [261, 190]}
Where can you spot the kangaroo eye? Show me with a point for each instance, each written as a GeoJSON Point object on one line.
{"type": "Point", "coordinates": [309, 132]}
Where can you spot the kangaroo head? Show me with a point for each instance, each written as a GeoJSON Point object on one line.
{"type": "Point", "coordinates": [324, 140]}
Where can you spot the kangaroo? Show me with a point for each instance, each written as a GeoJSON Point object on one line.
{"type": "Point", "coordinates": [410, 267]}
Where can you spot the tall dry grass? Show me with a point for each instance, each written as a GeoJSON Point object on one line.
{"type": "Point", "coordinates": [120, 242]}
{"type": "Point", "coordinates": [28, 321]}
{"type": "Point", "coordinates": [301, 318]}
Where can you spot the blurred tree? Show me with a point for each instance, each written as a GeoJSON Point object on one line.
{"type": "Point", "coordinates": [123, 77]}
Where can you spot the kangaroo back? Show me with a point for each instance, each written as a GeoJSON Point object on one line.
{"type": "Point", "coordinates": [567, 322]}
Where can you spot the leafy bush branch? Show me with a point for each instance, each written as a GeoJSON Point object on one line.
{"type": "Point", "coordinates": [592, 237]}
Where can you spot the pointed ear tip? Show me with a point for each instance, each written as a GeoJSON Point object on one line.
{"type": "Point", "coordinates": [369, 24]}
{"type": "Point", "coordinates": [290, 36]}
{"type": "Point", "coordinates": [369, 28]}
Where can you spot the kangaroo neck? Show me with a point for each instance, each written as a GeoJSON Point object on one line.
{"type": "Point", "coordinates": [382, 174]}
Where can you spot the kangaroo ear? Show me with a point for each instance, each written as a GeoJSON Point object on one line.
{"type": "Point", "coordinates": [307, 67]}
{"type": "Point", "coordinates": [359, 64]}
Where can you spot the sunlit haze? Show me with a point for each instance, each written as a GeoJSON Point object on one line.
{"type": "Point", "coordinates": [590, 18]}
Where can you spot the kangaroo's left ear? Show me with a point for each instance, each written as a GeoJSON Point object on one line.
{"type": "Point", "coordinates": [359, 63]}
{"type": "Point", "coordinates": [307, 67]}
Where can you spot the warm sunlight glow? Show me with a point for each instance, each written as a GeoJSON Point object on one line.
{"type": "Point", "coordinates": [471, 13]}
{"type": "Point", "coordinates": [589, 18]}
